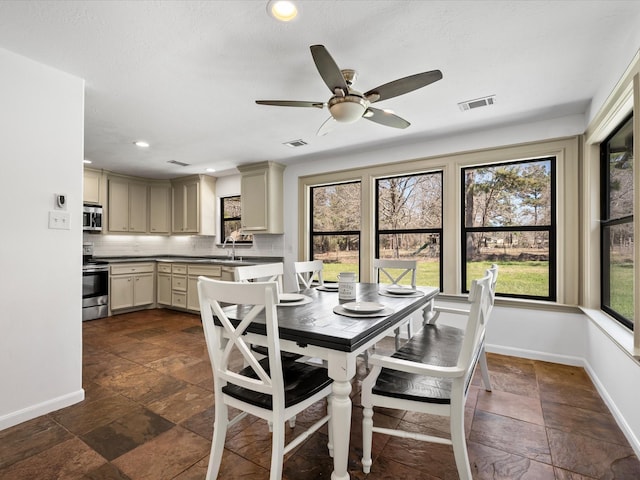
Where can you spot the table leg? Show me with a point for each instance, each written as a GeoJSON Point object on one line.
{"type": "Point", "coordinates": [341, 368]}
{"type": "Point", "coordinates": [341, 424]}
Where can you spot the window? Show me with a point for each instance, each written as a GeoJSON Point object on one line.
{"type": "Point", "coordinates": [508, 218]}
{"type": "Point", "coordinates": [231, 219]}
{"type": "Point", "coordinates": [335, 228]}
{"type": "Point", "coordinates": [617, 265]}
{"type": "Point", "coordinates": [409, 222]}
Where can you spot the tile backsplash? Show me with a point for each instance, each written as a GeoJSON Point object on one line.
{"type": "Point", "coordinates": [143, 245]}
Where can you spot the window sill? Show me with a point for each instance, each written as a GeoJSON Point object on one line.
{"type": "Point", "coordinates": [619, 334]}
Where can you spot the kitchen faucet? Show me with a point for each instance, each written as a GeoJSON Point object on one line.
{"type": "Point", "coordinates": [233, 246]}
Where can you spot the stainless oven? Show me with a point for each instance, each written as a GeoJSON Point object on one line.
{"type": "Point", "coordinates": [95, 290]}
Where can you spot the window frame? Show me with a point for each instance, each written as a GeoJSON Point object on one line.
{"type": "Point", "coordinates": [551, 228]}
{"type": "Point", "coordinates": [224, 220]}
{"type": "Point", "coordinates": [606, 221]}
{"type": "Point", "coordinates": [313, 233]}
{"type": "Point", "coordinates": [439, 231]}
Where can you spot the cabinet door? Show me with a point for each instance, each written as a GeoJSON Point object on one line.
{"type": "Point", "coordinates": [121, 295]}
{"type": "Point", "coordinates": [137, 207]}
{"type": "Point", "coordinates": [193, 302]}
{"type": "Point", "coordinates": [178, 208]}
{"type": "Point", "coordinates": [159, 209]}
{"type": "Point", "coordinates": [118, 206]}
{"type": "Point", "coordinates": [91, 187]}
{"type": "Point", "coordinates": [164, 288]}
{"type": "Point", "coordinates": [192, 200]}
{"type": "Point", "coordinates": [143, 289]}
{"type": "Point", "coordinates": [254, 201]}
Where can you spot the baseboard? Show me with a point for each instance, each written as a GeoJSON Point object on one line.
{"type": "Point", "coordinates": [620, 420]}
{"type": "Point", "coordinates": [14, 418]}
{"type": "Point", "coordinates": [536, 355]}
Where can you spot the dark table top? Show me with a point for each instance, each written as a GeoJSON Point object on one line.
{"type": "Point", "coordinates": [315, 323]}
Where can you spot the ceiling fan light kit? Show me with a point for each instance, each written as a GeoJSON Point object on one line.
{"type": "Point", "coordinates": [348, 105]}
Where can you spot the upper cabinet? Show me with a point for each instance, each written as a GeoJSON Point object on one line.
{"type": "Point", "coordinates": [127, 210]}
{"type": "Point", "coordinates": [159, 209]}
{"type": "Point", "coordinates": [262, 203]}
{"type": "Point", "coordinates": [193, 205]}
{"type": "Point", "coordinates": [93, 190]}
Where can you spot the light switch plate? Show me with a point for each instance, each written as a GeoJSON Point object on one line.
{"type": "Point", "coordinates": [59, 220]}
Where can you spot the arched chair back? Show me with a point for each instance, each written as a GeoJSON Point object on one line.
{"type": "Point", "coordinates": [308, 273]}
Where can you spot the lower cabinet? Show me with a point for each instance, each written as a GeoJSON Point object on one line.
{"type": "Point", "coordinates": [193, 272]}
{"type": "Point", "coordinates": [164, 283]}
{"type": "Point", "coordinates": [132, 285]}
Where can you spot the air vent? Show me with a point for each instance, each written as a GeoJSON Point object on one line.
{"type": "Point", "coordinates": [295, 143]}
{"type": "Point", "coordinates": [175, 162]}
{"type": "Point", "coordinates": [477, 103]}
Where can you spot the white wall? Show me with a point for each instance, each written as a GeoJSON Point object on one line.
{"type": "Point", "coordinates": [41, 151]}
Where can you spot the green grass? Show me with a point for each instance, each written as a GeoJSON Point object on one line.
{"type": "Point", "coordinates": [529, 278]}
{"type": "Point", "coordinates": [622, 289]}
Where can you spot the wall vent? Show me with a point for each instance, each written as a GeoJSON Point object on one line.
{"type": "Point", "coordinates": [477, 103]}
{"type": "Point", "coordinates": [295, 143]}
{"type": "Point", "coordinates": [175, 162]}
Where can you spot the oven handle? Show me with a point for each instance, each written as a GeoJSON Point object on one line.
{"type": "Point", "coordinates": [95, 269]}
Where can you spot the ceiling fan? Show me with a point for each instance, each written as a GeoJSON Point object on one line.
{"type": "Point", "coordinates": [348, 105]}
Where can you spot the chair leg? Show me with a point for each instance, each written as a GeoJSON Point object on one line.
{"type": "Point", "coordinates": [292, 422]}
{"type": "Point", "coordinates": [397, 334]}
{"type": "Point", "coordinates": [484, 370]}
{"type": "Point", "coordinates": [217, 444]}
{"type": "Point", "coordinates": [459, 443]}
{"type": "Point", "coordinates": [277, 451]}
{"type": "Point", "coordinates": [367, 438]}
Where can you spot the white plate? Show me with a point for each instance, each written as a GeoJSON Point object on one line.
{"type": "Point", "coordinates": [363, 307]}
{"type": "Point", "coordinates": [398, 290]}
{"type": "Point", "coordinates": [330, 286]}
{"type": "Point", "coordinates": [291, 297]}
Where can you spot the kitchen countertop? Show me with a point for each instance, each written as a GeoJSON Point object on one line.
{"type": "Point", "coordinates": [225, 261]}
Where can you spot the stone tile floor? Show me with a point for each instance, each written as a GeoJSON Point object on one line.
{"type": "Point", "coordinates": [149, 408]}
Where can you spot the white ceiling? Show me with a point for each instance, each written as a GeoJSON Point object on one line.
{"type": "Point", "coordinates": [183, 75]}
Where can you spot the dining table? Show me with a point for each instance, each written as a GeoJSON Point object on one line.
{"type": "Point", "coordinates": [320, 325]}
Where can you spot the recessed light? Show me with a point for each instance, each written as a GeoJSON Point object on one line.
{"type": "Point", "coordinates": [282, 10]}
{"type": "Point", "coordinates": [141, 143]}
{"type": "Point", "coordinates": [210, 170]}
{"type": "Point", "coordinates": [86, 161]}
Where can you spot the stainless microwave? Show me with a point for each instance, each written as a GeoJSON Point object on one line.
{"type": "Point", "coordinates": [92, 218]}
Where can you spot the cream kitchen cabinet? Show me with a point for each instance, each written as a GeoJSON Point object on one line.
{"type": "Point", "coordinates": [179, 285]}
{"type": "Point", "coordinates": [131, 285]}
{"type": "Point", "coordinates": [164, 284]}
{"type": "Point", "coordinates": [193, 272]}
{"type": "Point", "coordinates": [127, 206]}
{"type": "Point", "coordinates": [193, 205]}
{"type": "Point", "coordinates": [159, 209]}
{"type": "Point", "coordinates": [262, 201]}
{"type": "Point", "coordinates": [92, 187]}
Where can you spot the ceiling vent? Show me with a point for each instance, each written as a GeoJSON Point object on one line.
{"type": "Point", "coordinates": [477, 103]}
{"type": "Point", "coordinates": [295, 143]}
{"type": "Point", "coordinates": [175, 162]}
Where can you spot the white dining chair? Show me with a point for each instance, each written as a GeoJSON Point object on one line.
{"type": "Point", "coordinates": [266, 388]}
{"type": "Point", "coordinates": [394, 271]}
{"type": "Point", "coordinates": [308, 273]}
{"type": "Point", "coordinates": [433, 315]}
{"type": "Point", "coordinates": [262, 272]}
{"type": "Point", "coordinates": [430, 374]}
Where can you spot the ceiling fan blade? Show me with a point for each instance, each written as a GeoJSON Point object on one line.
{"type": "Point", "coordinates": [403, 85]}
{"type": "Point", "coordinates": [329, 124]}
{"type": "Point", "coordinates": [385, 118]}
{"type": "Point", "coordinates": [328, 69]}
{"type": "Point", "coordinates": [290, 103]}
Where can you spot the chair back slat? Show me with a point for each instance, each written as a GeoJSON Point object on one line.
{"type": "Point", "coordinates": [307, 272]}
{"type": "Point", "coordinates": [266, 272]}
{"type": "Point", "coordinates": [395, 270]}
{"type": "Point", "coordinates": [251, 299]}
